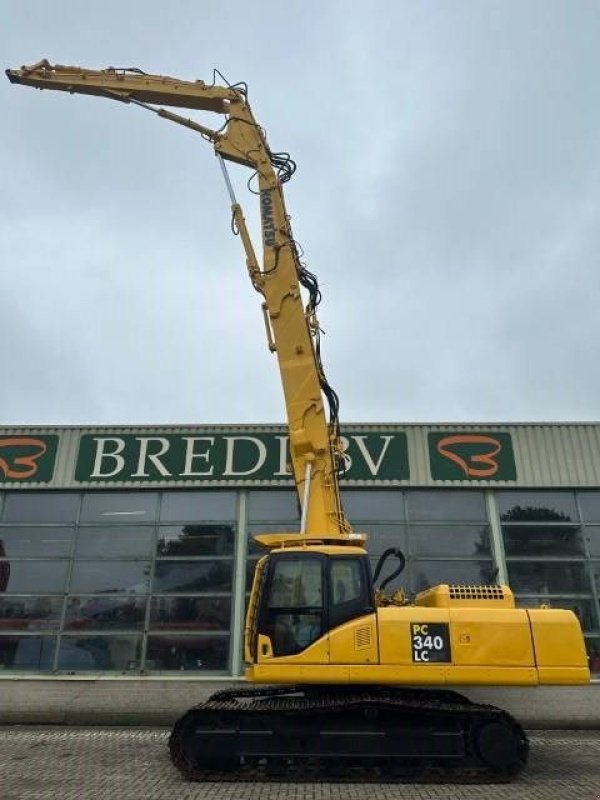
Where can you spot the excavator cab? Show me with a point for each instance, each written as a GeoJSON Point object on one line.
{"type": "Point", "coordinates": [302, 594]}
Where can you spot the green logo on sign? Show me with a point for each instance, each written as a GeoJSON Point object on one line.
{"type": "Point", "coordinates": [27, 458]}
{"type": "Point", "coordinates": [485, 455]}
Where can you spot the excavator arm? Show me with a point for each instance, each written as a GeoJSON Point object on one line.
{"type": "Point", "coordinates": [292, 328]}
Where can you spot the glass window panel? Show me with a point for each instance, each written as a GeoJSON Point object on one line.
{"type": "Point", "coordinates": [583, 609]}
{"type": "Point", "coordinates": [33, 577]}
{"type": "Point", "coordinates": [250, 567]}
{"type": "Point", "coordinates": [537, 507]}
{"type": "Point", "coordinates": [115, 541]}
{"type": "Point", "coordinates": [446, 505]}
{"type": "Point", "coordinates": [30, 613]}
{"type": "Point", "coordinates": [191, 613]}
{"type": "Point", "coordinates": [90, 577]}
{"type": "Point", "coordinates": [27, 652]}
{"type": "Point", "coordinates": [381, 537]}
{"type": "Point", "coordinates": [556, 539]}
{"type": "Point", "coordinates": [41, 507]}
{"type": "Point", "coordinates": [196, 540]}
{"type": "Point", "coordinates": [425, 574]}
{"type": "Point", "coordinates": [596, 575]}
{"type": "Point", "coordinates": [346, 580]}
{"type": "Point", "coordinates": [539, 577]}
{"type": "Point", "coordinates": [36, 542]}
{"type": "Point", "coordinates": [297, 584]}
{"type": "Point", "coordinates": [593, 649]}
{"type": "Point", "coordinates": [254, 528]}
{"type": "Point", "coordinates": [198, 506]}
{"type": "Point", "coordinates": [589, 503]}
{"type": "Point", "coordinates": [105, 613]}
{"type": "Point", "coordinates": [450, 540]}
{"type": "Point", "coordinates": [193, 576]}
{"type": "Point", "coordinates": [79, 653]}
{"type": "Point", "coordinates": [119, 507]}
{"type": "Point", "coordinates": [592, 534]}
{"type": "Point", "coordinates": [373, 505]}
{"type": "Point", "coordinates": [194, 653]}
{"type": "Point", "coordinates": [274, 506]}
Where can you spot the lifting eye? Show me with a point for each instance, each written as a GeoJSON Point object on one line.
{"type": "Point", "coordinates": [397, 553]}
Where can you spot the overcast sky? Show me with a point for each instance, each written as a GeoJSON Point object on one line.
{"type": "Point", "coordinates": [447, 196]}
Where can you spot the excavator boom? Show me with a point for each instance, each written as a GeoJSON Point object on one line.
{"type": "Point", "coordinates": [125, 84]}
{"type": "Point", "coordinates": [292, 328]}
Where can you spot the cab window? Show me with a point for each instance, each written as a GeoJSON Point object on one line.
{"type": "Point", "coordinates": [294, 614]}
{"type": "Point", "coordinates": [346, 580]}
{"type": "Point", "coordinates": [297, 584]}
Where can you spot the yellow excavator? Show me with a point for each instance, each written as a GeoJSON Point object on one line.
{"type": "Point", "coordinates": [353, 681]}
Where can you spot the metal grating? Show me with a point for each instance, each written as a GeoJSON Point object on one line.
{"type": "Point", "coordinates": [460, 592]}
{"type": "Point", "coordinates": [362, 638]}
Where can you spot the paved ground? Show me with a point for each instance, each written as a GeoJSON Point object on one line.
{"type": "Point", "coordinates": [55, 763]}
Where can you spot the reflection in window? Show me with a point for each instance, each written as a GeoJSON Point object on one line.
{"type": "Point", "coordinates": [27, 652]}
{"type": "Point", "coordinates": [446, 505]}
{"type": "Point", "coordinates": [41, 507]}
{"type": "Point", "coordinates": [381, 537]}
{"type": "Point", "coordinates": [592, 533]}
{"type": "Point", "coordinates": [202, 506]}
{"type": "Point", "coordinates": [113, 542]}
{"type": "Point", "coordinates": [191, 613]}
{"type": "Point", "coordinates": [534, 577]}
{"type": "Point", "coordinates": [196, 540]}
{"type": "Point", "coordinates": [36, 542]}
{"type": "Point", "coordinates": [192, 653]}
{"type": "Point", "coordinates": [30, 613]}
{"type": "Point", "coordinates": [450, 540]}
{"type": "Point", "coordinates": [105, 613]}
{"type": "Point", "coordinates": [256, 528]}
{"type": "Point", "coordinates": [115, 507]}
{"type": "Point", "coordinates": [193, 576]}
{"type": "Point", "coordinates": [110, 576]}
{"type": "Point", "coordinates": [583, 609]}
{"type": "Point", "coordinates": [274, 506]}
{"type": "Point", "coordinates": [589, 502]}
{"type": "Point", "coordinates": [373, 505]}
{"type": "Point", "coordinates": [33, 577]}
{"type": "Point", "coordinates": [539, 540]}
{"type": "Point", "coordinates": [346, 580]}
{"type": "Point", "coordinates": [596, 575]}
{"type": "Point", "coordinates": [537, 506]}
{"type": "Point", "coordinates": [120, 653]}
{"type": "Point", "coordinates": [250, 567]}
{"type": "Point", "coordinates": [593, 649]}
{"type": "Point", "coordinates": [425, 574]}
{"type": "Point", "coordinates": [297, 584]}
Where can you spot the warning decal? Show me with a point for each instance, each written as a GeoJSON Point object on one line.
{"type": "Point", "coordinates": [430, 642]}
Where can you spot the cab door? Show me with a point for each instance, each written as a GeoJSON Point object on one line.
{"type": "Point", "coordinates": [352, 620]}
{"type": "Point", "coordinates": [293, 613]}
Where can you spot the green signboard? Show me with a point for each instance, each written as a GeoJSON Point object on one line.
{"type": "Point", "coordinates": [481, 455]}
{"type": "Point", "coordinates": [27, 458]}
{"type": "Point", "coordinates": [236, 458]}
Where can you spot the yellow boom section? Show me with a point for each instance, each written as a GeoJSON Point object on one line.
{"type": "Point", "coordinates": [292, 328]}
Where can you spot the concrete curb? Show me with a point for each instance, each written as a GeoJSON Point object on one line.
{"type": "Point", "coordinates": [158, 702]}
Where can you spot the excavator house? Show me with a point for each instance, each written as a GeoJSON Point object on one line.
{"type": "Point", "coordinates": [344, 678]}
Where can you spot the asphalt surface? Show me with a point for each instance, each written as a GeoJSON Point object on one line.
{"type": "Point", "coordinates": [58, 763]}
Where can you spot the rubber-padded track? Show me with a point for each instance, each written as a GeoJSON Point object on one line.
{"type": "Point", "coordinates": [360, 734]}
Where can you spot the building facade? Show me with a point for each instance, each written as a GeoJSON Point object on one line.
{"type": "Point", "coordinates": [130, 551]}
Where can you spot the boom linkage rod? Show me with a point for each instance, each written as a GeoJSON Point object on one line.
{"type": "Point", "coordinates": [292, 330]}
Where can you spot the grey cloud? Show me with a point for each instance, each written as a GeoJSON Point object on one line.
{"type": "Point", "coordinates": [447, 197]}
